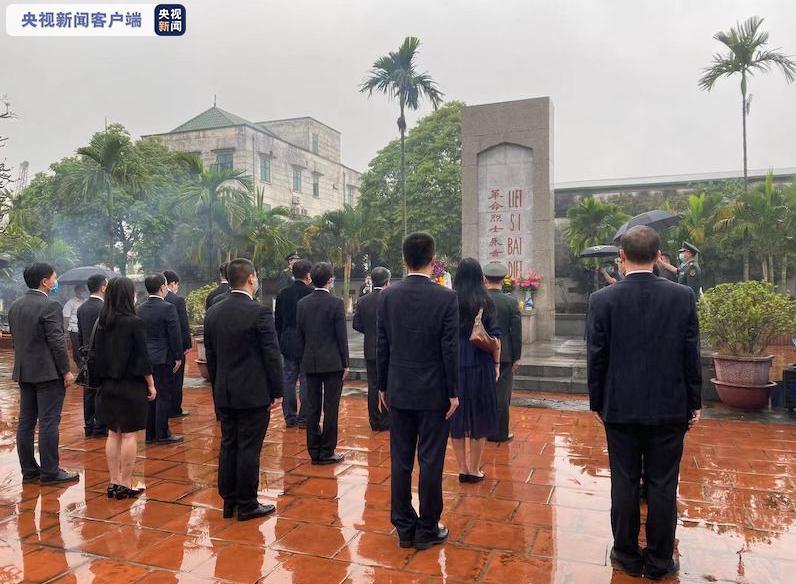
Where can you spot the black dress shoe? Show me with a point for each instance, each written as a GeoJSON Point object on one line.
{"type": "Point", "coordinates": [500, 439]}
{"type": "Point", "coordinates": [61, 477]}
{"type": "Point", "coordinates": [653, 574]}
{"type": "Point", "coordinates": [229, 510]}
{"type": "Point", "coordinates": [476, 478]}
{"type": "Point", "coordinates": [259, 511]}
{"type": "Point", "coordinates": [464, 478]}
{"type": "Point", "coordinates": [291, 425]}
{"type": "Point", "coordinates": [181, 414]}
{"type": "Point", "coordinates": [173, 439]}
{"type": "Point", "coordinates": [30, 479]}
{"type": "Point", "coordinates": [441, 537]}
{"type": "Point", "coordinates": [112, 488]}
{"type": "Point", "coordinates": [406, 543]}
{"type": "Point", "coordinates": [634, 570]}
{"type": "Point", "coordinates": [127, 492]}
{"type": "Point", "coordinates": [333, 459]}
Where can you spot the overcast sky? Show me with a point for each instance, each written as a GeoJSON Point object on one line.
{"type": "Point", "coordinates": [622, 75]}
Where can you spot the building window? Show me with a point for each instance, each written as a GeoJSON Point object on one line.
{"type": "Point", "coordinates": [349, 194]}
{"type": "Point", "coordinates": [224, 160]}
{"type": "Point", "coordinates": [315, 146]}
{"type": "Point", "coordinates": [296, 180]}
{"type": "Point", "coordinates": [316, 185]}
{"type": "Point", "coordinates": [265, 168]}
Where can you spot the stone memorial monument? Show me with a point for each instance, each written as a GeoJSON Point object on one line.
{"type": "Point", "coordinates": [507, 197]}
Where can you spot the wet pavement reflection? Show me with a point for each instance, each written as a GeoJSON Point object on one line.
{"type": "Point", "coordinates": [542, 514]}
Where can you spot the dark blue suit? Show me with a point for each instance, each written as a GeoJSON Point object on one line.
{"type": "Point", "coordinates": [165, 347]}
{"type": "Point", "coordinates": [185, 334]}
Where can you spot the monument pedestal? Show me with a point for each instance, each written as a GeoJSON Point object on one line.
{"type": "Point", "coordinates": [528, 326]}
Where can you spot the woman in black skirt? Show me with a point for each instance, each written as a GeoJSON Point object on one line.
{"type": "Point", "coordinates": [476, 417]}
{"type": "Point", "coordinates": [124, 376]}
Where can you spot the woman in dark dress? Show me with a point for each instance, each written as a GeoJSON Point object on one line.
{"type": "Point", "coordinates": [476, 417]}
{"type": "Point", "coordinates": [125, 381]}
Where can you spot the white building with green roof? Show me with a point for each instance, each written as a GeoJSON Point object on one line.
{"type": "Point", "coordinates": [296, 161]}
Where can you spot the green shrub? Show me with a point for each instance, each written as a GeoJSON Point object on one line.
{"type": "Point", "coordinates": [195, 303]}
{"type": "Point", "coordinates": [741, 319]}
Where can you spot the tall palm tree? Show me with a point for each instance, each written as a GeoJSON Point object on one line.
{"type": "Point", "coordinates": [220, 196]}
{"type": "Point", "coordinates": [746, 56]}
{"type": "Point", "coordinates": [395, 76]}
{"type": "Point", "coordinates": [264, 231]}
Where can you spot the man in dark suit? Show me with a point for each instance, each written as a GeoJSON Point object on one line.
{"type": "Point", "coordinates": [510, 323]}
{"type": "Point", "coordinates": [418, 371]}
{"type": "Point", "coordinates": [173, 284]}
{"type": "Point", "coordinates": [365, 321]}
{"type": "Point", "coordinates": [41, 367]}
{"type": "Point", "coordinates": [645, 383]}
{"type": "Point", "coordinates": [87, 316]}
{"type": "Point", "coordinates": [246, 374]}
{"type": "Point", "coordinates": [165, 353]}
{"type": "Point", "coordinates": [323, 347]}
{"type": "Point", "coordinates": [287, 331]}
{"type": "Point", "coordinates": [222, 290]}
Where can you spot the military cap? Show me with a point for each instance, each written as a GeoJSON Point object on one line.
{"type": "Point", "coordinates": [689, 247]}
{"type": "Point", "coordinates": [294, 255]}
{"type": "Point", "coordinates": [495, 270]}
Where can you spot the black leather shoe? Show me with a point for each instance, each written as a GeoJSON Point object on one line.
{"type": "Point", "coordinates": [464, 478]}
{"type": "Point", "coordinates": [181, 414]}
{"type": "Point", "coordinates": [259, 511]}
{"type": "Point", "coordinates": [62, 477]}
{"type": "Point", "coordinates": [173, 439]}
{"type": "Point", "coordinates": [476, 478]}
{"type": "Point", "coordinates": [442, 537]}
{"type": "Point", "coordinates": [634, 570]}
{"type": "Point", "coordinates": [229, 510]}
{"type": "Point", "coordinates": [406, 543]}
{"type": "Point", "coordinates": [660, 575]}
{"type": "Point", "coordinates": [30, 479]}
{"type": "Point", "coordinates": [333, 459]}
{"type": "Point", "coordinates": [500, 439]}
{"type": "Point", "coordinates": [112, 488]}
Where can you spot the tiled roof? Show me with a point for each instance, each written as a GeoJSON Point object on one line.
{"type": "Point", "coordinates": [214, 117]}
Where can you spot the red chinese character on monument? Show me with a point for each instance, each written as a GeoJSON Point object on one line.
{"type": "Point", "coordinates": [495, 206]}
{"type": "Point", "coordinates": [494, 194]}
{"type": "Point", "coordinates": [496, 218]}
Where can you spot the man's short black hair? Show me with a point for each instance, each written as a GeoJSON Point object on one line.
{"type": "Point", "coordinates": [418, 250]}
{"type": "Point", "coordinates": [154, 283]}
{"type": "Point", "coordinates": [301, 268]}
{"type": "Point", "coordinates": [171, 276]}
{"type": "Point", "coordinates": [95, 282]}
{"type": "Point", "coordinates": [238, 272]}
{"type": "Point", "coordinates": [641, 244]}
{"type": "Point", "coordinates": [222, 271]}
{"type": "Point", "coordinates": [380, 276]}
{"type": "Point", "coordinates": [35, 273]}
{"type": "Point", "coordinates": [321, 273]}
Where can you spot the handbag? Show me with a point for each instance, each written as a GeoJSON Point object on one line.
{"type": "Point", "coordinates": [86, 354]}
{"type": "Point", "coordinates": [482, 339]}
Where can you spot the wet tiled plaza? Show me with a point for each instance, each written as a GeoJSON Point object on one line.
{"type": "Point", "coordinates": [541, 516]}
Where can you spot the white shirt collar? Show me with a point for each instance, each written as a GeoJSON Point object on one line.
{"type": "Point", "coordinates": [324, 289]}
{"type": "Point", "coordinates": [242, 292]}
{"type": "Point", "coordinates": [638, 272]}
{"type": "Point", "coordinates": [156, 296]}
{"type": "Point", "coordinates": [378, 288]}
{"type": "Point", "coordinates": [224, 282]}
{"type": "Point", "coordinates": [418, 274]}
{"type": "Point", "coordinates": [98, 297]}
{"type": "Point", "coordinates": [39, 291]}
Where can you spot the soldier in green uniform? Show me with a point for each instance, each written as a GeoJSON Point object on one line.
{"type": "Point", "coordinates": [510, 324]}
{"type": "Point", "coordinates": [286, 277]}
{"type": "Point", "coordinates": [690, 272]}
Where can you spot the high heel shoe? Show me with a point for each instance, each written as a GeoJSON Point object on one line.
{"type": "Point", "coordinates": [112, 489]}
{"type": "Point", "coordinates": [127, 493]}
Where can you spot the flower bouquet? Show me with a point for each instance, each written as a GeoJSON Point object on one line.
{"type": "Point", "coordinates": [439, 272]}
{"type": "Point", "coordinates": [530, 284]}
{"type": "Point", "coordinates": [509, 284]}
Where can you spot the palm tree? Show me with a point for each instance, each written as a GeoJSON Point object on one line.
{"type": "Point", "coordinates": [264, 232]}
{"type": "Point", "coordinates": [345, 234]}
{"type": "Point", "coordinates": [746, 56]}
{"type": "Point", "coordinates": [395, 76]}
{"type": "Point", "coordinates": [220, 196]}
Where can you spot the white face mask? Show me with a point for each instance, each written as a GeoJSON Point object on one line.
{"type": "Point", "coordinates": [681, 257]}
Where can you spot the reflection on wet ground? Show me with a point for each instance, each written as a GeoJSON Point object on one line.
{"type": "Point", "coordinates": [541, 516]}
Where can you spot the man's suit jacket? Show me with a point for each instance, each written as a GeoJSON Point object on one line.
{"type": "Point", "coordinates": [242, 353]}
{"type": "Point", "coordinates": [322, 334]}
{"type": "Point", "coordinates": [162, 331]}
{"type": "Point", "coordinates": [182, 315]}
{"type": "Point", "coordinates": [365, 321]}
{"type": "Point", "coordinates": [418, 345]}
{"type": "Point", "coordinates": [285, 318]}
{"type": "Point", "coordinates": [87, 315]}
{"type": "Point", "coordinates": [643, 352]}
{"type": "Point", "coordinates": [37, 329]}
{"type": "Point", "coordinates": [222, 288]}
{"type": "Point", "coordinates": [509, 321]}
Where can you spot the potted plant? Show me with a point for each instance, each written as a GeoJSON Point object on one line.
{"type": "Point", "coordinates": [739, 321]}
{"type": "Point", "coordinates": [195, 304]}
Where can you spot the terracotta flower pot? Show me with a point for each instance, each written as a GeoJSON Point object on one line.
{"type": "Point", "coordinates": [746, 371]}
{"type": "Point", "coordinates": [201, 357]}
{"type": "Point", "coordinates": [745, 397]}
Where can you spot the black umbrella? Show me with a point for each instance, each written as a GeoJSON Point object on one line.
{"type": "Point", "coordinates": [657, 219]}
{"type": "Point", "coordinates": [4, 262]}
{"type": "Point", "coordinates": [77, 276]}
{"type": "Point", "coordinates": [600, 251]}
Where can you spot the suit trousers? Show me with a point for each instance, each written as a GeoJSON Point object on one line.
{"type": "Point", "coordinates": [74, 340]}
{"type": "Point", "coordinates": [378, 420]}
{"type": "Point", "coordinates": [40, 402]}
{"type": "Point", "coordinates": [661, 448]}
{"type": "Point", "coordinates": [323, 393]}
{"type": "Point", "coordinates": [294, 413]}
{"type": "Point", "coordinates": [92, 425]}
{"type": "Point", "coordinates": [504, 386]}
{"type": "Point", "coordinates": [157, 420]}
{"type": "Point", "coordinates": [424, 432]}
{"type": "Point", "coordinates": [242, 435]}
{"type": "Point", "coordinates": [176, 390]}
